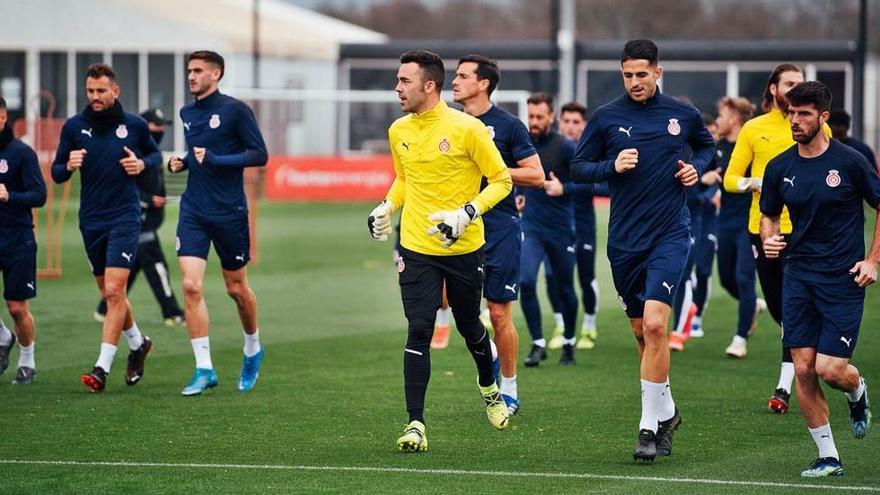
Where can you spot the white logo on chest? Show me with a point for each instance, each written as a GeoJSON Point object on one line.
{"type": "Point", "coordinates": [790, 181]}
{"type": "Point", "coordinates": [215, 121]}
{"type": "Point", "coordinates": [491, 131]}
{"type": "Point", "coordinates": [186, 126]}
{"type": "Point", "coordinates": [4, 166]}
{"type": "Point", "coordinates": [833, 179]}
{"type": "Point", "coordinates": [674, 127]}
{"type": "Point", "coordinates": [625, 131]}
{"type": "Point", "coordinates": [87, 132]}
{"type": "Point", "coordinates": [122, 131]}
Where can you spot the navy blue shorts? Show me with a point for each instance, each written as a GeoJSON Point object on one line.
{"type": "Point", "coordinates": [653, 274]}
{"type": "Point", "coordinates": [822, 311]}
{"type": "Point", "coordinates": [503, 250]}
{"type": "Point", "coordinates": [231, 238]}
{"type": "Point", "coordinates": [19, 267]}
{"type": "Point", "coordinates": [115, 246]}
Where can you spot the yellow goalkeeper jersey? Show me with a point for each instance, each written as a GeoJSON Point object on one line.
{"type": "Point", "coordinates": [760, 140]}
{"type": "Point", "coordinates": [440, 157]}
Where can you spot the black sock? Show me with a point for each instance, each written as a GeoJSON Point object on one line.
{"type": "Point", "coordinates": [481, 350]}
{"type": "Point", "coordinates": [416, 373]}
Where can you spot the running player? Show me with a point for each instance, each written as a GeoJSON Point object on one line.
{"type": "Point", "coordinates": [637, 143]}
{"type": "Point", "coordinates": [548, 232]}
{"type": "Point", "coordinates": [760, 140]}
{"type": "Point", "coordinates": [110, 148]}
{"type": "Point", "coordinates": [572, 122]}
{"type": "Point", "coordinates": [475, 79]}
{"type": "Point", "coordinates": [440, 156]}
{"type": "Point", "coordinates": [823, 183]}
{"type": "Point", "coordinates": [222, 138]}
{"type": "Point", "coordinates": [21, 188]}
{"type": "Point", "coordinates": [736, 265]}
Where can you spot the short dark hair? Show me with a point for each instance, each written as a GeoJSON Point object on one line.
{"type": "Point", "coordinates": [538, 98]}
{"type": "Point", "coordinates": [640, 49]}
{"type": "Point", "coordinates": [775, 75]}
{"type": "Point", "coordinates": [97, 71]}
{"type": "Point", "coordinates": [839, 118]}
{"type": "Point", "coordinates": [210, 57]}
{"type": "Point", "coordinates": [487, 69]}
{"type": "Point", "coordinates": [2, 103]}
{"type": "Point", "coordinates": [810, 93]}
{"type": "Point", "coordinates": [574, 106]}
{"type": "Point", "coordinates": [429, 62]}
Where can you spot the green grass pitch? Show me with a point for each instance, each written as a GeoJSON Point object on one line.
{"type": "Point", "coordinates": [329, 405]}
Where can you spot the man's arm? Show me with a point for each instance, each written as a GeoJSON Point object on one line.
{"type": "Point", "coordinates": [63, 166]}
{"type": "Point", "coordinates": [254, 155]}
{"type": "Point", "coordinates": [735, 180]}
{"type": "Point", "coordinates": [865, 271]}
{"type": "Point", "coordinates": [771, 209]}
{"type": "Point", "coordinates": [483, 152]}
{"type": "Point", "coordinates": [34, 194]}
{"type": "Point", "coordinates": [589, 163]}
{"type": "Point", "coordinates": [530, 172]}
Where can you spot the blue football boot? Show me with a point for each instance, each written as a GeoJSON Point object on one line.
{"type": "Point", "coordinates": [250, 371]}
{"type": "Point", "coordinates": [202, 379]}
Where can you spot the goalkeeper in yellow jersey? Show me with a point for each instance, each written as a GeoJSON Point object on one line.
{"type": "Point", "coordinates": [440, 155]}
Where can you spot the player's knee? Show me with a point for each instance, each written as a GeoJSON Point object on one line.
{"type": "Point", "coordinates": [528, 285]}
{"type": "Point", "coordinates": [653, 330]}
{"type": "Point", "coordinates": [237, 290]}
{"type": "Point", "coordinates": [114, 293]}
{"type": "Point", "coordinates": [420, 331]}
{"type": "Point", "coordinates": [830, 372]}
{"type": "Point", "coordinates": [18, 310]}
{"type": "Point", "coordinates": [192, 289]}
{"type": "Point", "coordinates": [499, 314]}
{"type": "Point", "coordinates": [805, 370]}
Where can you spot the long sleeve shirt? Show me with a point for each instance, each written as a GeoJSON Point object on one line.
{"type": "Point", "coordinates": [760, 140]}
{"type": "Point", "coordinates": [228, 131]}
{"type": "Point", "coordinates": [20, 173]}
{"type": "Point", "coordinates": [647, 202]}
{"type": "Point", "coordinates": [108, 195]}
{"type": "Point", "coordinates": [440, 157]}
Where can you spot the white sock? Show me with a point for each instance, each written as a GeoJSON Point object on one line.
{"type": "Point", "coordinates": [560, 322]}
{"type": "Point", "coordinates": [5, 335]}
{"type": "Point", "coordinates": [697, 321]}
{"type": "Point", "coordinates": [737, 339]}
{"type": "Point", "coordinates": [443, 317]}
{"type": "Point", "coordinates": [856, 394]}
{"type": "Point", "coordinates": [494, 349]}
{"type": "Point", "coordinates": [667, 406]}
{"type": "Point", "coordinates": [652, 403]}
{"type": "Point", "coordinates": [540, 342]}
{"type": "Point", "coordinates": [105, 359]}
{"type": "Point", "coordinates": [134, 337]}
{"type": "Point", "coordinates": [508, 386]}
{"type": "Point", "coordinates": [824, 441]}
{"type": "Point", "coordinates": [786, 376]}
{"type": "Point", "coordinates": [202, 350]}
{"type": "Point", "coordinates": [251, 343]}
{"type": "Point", "coordinates": [571, 341]}
{"type": "Point", "coordinates": [589, 322]}
{"type": "Point", "coordinates": [26, 356]}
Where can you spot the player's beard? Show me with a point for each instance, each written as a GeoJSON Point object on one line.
{"type": "Point", "coordinates": [807, 136]}
{"type": "Point", "coordinates": [781, 102]}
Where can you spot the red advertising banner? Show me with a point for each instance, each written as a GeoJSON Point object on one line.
{"type": "Point", "coordinates": [328, 178]}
